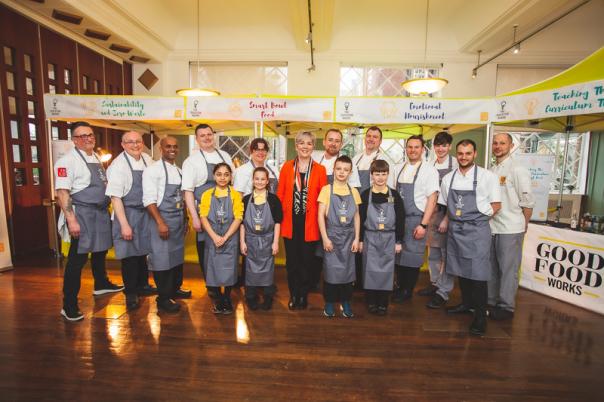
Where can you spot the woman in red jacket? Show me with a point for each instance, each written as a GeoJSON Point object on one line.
{"type": "Point", "coordinates": [300, 182]}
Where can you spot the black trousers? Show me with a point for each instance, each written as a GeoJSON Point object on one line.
{"type": "Point", "coordinates": [73, 273]}
{"type": "Point", "coordinates": [251, 292]}
{"type": "Point", "coordinates": [178, 276]}
{"type": "Point", "coordinates": [474, 294]}
{"type": "Point", "coordinates": [340, 292]}
{"type": "Point", "coordinates": [217, 291]}
{"type": "Point", "coordinates": [300, 262]}
{"type": "Point", "coordinates": [377, 297]}
{"type": "Point", "coordinates": [166, 283]}
{"type": "Point", "coordinates": [406, 277]}
{"type": "Point", "coordinates": [358, 265]}
{"type": "Point", "coordinates": [134, 273]}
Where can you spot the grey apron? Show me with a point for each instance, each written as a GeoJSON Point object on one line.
{"type": "Point", "coordinates": [221, 263]}
{"type": "Point", "coordinates": [339, 264]}
{"type": "Point", "coordinates": [469, 235]}
{"type": "Point", "coordinates": [412, 254]}
{"type": "Point", "coordinates": [259, 235]}
{"type": "Point", "coordinates": [378, 245]}
{"type": "Point", "coordinates": [199, 190]}
{"type": "Point", "coordinates": [364, 175]}
{"type": "Point", "coordinates": [166, 254]}
{"type": "Point", "coordinates": [91, 211]}
{"type": "Point", "coordinates": [437, 239]}
{"type": "Point", "coordinates": [137, 218]}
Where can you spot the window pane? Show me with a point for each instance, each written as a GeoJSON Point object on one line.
{"type": "Point", "coordinates": [33, 135]}
{"type": "Point", "coordinates": [31, 110]}
{"type": "Point", "coordinates": [12, 105]}
{"type": "Point", "coordinates": [9, 58]}
{"type": "Point", "coordinates": [85, 83]}
{"type": "Point", "coordinates": [29, 86]}
{"type": "Point", "coordinates": [52, 89]}
{"type": "Point", "coordinates": [20, 177]}
{"type": "Point", "coordinates": [51, 71]}
{"type": "Point", "coordinates": [96, 86]}
{"type": "Point", "coordinates": [17, 157]}
{"type": "Point", "coordinates": [14, 129]}
{"type": "Point", "coordinates": [10, 81]}
{"type": "Point", "coordinates": [34, 154]}
{"type": "Point", "coordinates": [55, 133]}
{"type": "Point", "coordinates": [27, 61]}
{"type": "Point", "coordinates": [67, 76]}
{"type": "Point", "coordinates": [36, 176]}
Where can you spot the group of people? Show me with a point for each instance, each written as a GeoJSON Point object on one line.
{"type": "Point", "coordinates": [353, 222]}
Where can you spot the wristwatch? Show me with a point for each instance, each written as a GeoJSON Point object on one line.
{"type": "Point", "coordinates": [424, 226]}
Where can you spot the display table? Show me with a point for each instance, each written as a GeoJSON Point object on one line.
{"type": "Point", "coordinates": [564, 264]}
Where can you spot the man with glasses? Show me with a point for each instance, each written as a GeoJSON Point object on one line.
{"type": "Point", "coordinates": [130, 221]}
{"type": "Point", "coordinates": [80, 182]}
{"type": "Point", "coordinates": [197, 177]}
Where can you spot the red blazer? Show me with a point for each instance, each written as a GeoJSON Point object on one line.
{"type": "Point", "coordinates": [285, 192]}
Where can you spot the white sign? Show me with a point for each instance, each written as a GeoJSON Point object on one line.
{"type": "Point", "coordinates": [260, 109]}
{"type": "Point", "coordinates": [113, 107]}
{"type": "Point", "coordinates": [412, 110]}
{"type": "Point", "coordinates": [540, 167]}
{"type": "Point", "coordinates": [564, 264]}
{"type": "Point", "coordinates": [577, 99]}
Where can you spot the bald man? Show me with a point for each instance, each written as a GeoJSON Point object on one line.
{"type": "Point", "coordinates": [130, 228]}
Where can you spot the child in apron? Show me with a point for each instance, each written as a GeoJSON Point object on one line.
{"type": "Point", "coordinates": [339, 224]}
{"type": "Point", "coordinates": [382, 229]}
{"type": "Point", "coordinates": [259, 239]}
{"type": "Point", "coordinates": [221, 212]}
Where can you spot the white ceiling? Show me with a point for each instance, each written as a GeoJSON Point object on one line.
{"type": "Point", "coordinates": [346, 30]}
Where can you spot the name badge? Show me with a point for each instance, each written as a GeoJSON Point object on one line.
{"type": "Point", "coordinates": [257, 228]}
{"type": "Point", "coordinates": [342, 219]}
{"type": "Point", "coordinates": [458, 212]}
{"type": "Point", "coordinates": [390, 200]}
{"type": "Point", "coordinates": [380, 226]}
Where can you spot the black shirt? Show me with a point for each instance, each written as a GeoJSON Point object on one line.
{"type": "Point", "coordinates": [273, 203]}
{"type": "Point", "coordinates": [381, 198]}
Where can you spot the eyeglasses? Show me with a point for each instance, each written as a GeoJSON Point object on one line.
{"type": "Point", "coordinates": [84, 136]}
{"type": "Point", "coordinates": [260, 150]}
{"type": "Point", "coordinates": [138, 142]}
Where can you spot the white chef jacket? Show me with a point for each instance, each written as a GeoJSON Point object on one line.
{"type": "Point", "coordinates": [487, 188]}
{"type": "Point", "coordinates": [243, 182]}
{"type": "Point", "coordinates": [119, 176]}
{"type": "Point", "coordinates": [154, 182]}
{"type": "Point", "coordinates": [426, 183]}
{"type": "Point", "coordinates": [71, 173]}
{"type": "Point", "coordinates": [445, 164]}
{"type": "Point", "coordinates": [329, 164]}
{"type": "Point", "coordinates": [363, 161]}
{"type": "Point", "coordinates": [516, 193]}
{"type": "Point", "coordinates": [194, 169]}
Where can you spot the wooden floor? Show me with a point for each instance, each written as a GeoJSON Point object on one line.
{"type": "Point", "coordinates": [551, 350]}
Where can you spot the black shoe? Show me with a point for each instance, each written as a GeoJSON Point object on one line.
{"type": "Point", "coordinates": [182, 294]}
{"type": "Point", "coordinates": [479, 325]}
{"type": "Point", "coordinates": [168, 306]}
{"type": "Point", "coordinates": [293, 303]}
{"type": "Point", "coordinates": [372, 309]}
{"type": "Point", "coordinates": [382, 310]}
{"type": "Point", "coordinates": [132, 302]}
{"type": "Point", "coordinates": [252, 303]}
{"type": "Point", "coordinates": [213, 294]}
{"type": "Point", "coordinates": [428, 291]}
{"type": "Point", "coordinates": [217, 306]}
{"type": "Point", "coordinates": [107, 287]}
{"type": "Point", "coordinates": [303, 303]}
{"type": "Point", "coordinates": [72, 314]}
{"type": "Point", "coordinates": [437, 301]}
{"type": "Point", "coordinates": [227, 306]}
{"type": "Point", "coordinates": [147, 290]}
{"type": "Point", "coordinates": [401, 295]}
{"type": "Point", "coordinates": [500, 314]}
{"type": "Point", "coordinates": [267, 303]}
{"type": "Point", "coordinates": [459, 309]}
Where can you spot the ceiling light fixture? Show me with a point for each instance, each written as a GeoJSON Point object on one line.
{"type": "Point", "coordinates": [475, 70]}
{"type": "Point", "coordinates": [516, 44]}
{"type": "Point", "coordinates": [196, 91]}
{"type": "Point", "coordinates": [425, 85]}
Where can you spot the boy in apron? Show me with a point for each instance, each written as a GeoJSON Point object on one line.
{"type": "Point", "coordinates": [221, 213]}
{"type": "Point", "coordinates": [259, 239]}
{"type": "Point", "coordinates": [339, 224]}
{"type": "Point", "coordinates": [382, 227]}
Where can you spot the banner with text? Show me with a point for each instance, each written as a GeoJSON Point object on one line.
{"type": "Point", "coordinates": [113, 107]}
{"type": "Point", "coordinates": [412, 110]}
{"type": "Point", "coordinates": [566, 265]}
{"type": "Point", "coordinates": [260, 109]}
{"type": "Point", "coordinates": [576, 99]}
{"type": "Point", "coordinates": [540, 167]}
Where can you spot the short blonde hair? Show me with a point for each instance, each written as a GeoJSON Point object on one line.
{"type": "Point", "coordinates": [308, 134]}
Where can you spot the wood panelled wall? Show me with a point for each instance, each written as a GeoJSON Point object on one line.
{"type": "Point", "coordinates": [36, 60]}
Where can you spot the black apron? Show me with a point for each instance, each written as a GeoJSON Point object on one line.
{"type": "Point", "coordinates": [91, 211]}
